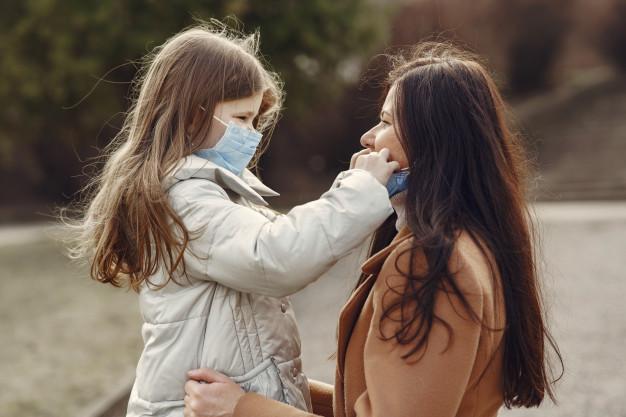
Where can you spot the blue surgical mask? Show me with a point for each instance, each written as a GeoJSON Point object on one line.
{"type": "Point", "coordinates": [398, 182]}
{"type": "Point", "coordinates": [235, 149]}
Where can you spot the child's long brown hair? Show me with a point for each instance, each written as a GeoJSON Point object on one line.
{"type": "Point", "coordinates": [126, 227]}
{"type": "Point", "coordinates": [468, 173]}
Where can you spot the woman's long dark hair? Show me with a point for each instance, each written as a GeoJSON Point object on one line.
{"type": "Point", "coordinates": [468, 173]}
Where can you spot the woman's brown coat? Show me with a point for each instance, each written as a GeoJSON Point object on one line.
{"type": "Point", "coordinates": [458, 376]}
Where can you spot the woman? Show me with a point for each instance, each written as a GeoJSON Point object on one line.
{"type": "Point", "coordinates": [446, 319]}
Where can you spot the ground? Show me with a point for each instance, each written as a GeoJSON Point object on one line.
{"type": "Point", "coordinates": [67, 340]}
{"type": "Point", "coordinates": [70, 341]}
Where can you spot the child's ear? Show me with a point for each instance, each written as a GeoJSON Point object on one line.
{"type": "Point", "coordinates": [196, 121]}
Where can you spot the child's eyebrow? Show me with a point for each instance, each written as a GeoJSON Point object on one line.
{"type": "Point", "coordinates": [246, 113]}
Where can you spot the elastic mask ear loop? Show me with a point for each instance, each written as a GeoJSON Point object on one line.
{"type": "Point", "coordinates": [220, 120]}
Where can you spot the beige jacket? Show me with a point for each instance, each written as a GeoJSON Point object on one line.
{"type": "Point", "coordinates": [372, 379]}
{"type": "Point", "coordinates": [234, 313]}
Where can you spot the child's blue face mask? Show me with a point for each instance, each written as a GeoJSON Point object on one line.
{"type": "Point", "coordinates": [398, 182]}
{"type": "Point", "coordinates": [235, 149]}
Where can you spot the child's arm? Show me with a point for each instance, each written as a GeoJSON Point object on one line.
{"type": "Point", "coordinates": [242, 249]}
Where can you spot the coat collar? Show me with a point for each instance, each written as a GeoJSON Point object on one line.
{"type": "Point", "coordinates": [375, 262]}
{"type": "Point", "coordinates": [247, 185]}
{"type": "Point", "coordinates": [352, 309]}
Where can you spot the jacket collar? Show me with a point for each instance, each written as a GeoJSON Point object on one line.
{"type": "Point", "coordinates": [247, 185]}
{"type": "Point", "coordinates": [375, 262]}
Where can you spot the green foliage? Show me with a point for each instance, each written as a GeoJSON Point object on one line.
{"type": "Point", "coordinates": [55, 51]}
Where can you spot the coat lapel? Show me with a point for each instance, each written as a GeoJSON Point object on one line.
{"type": "Point", "coordinates": [348, 317]}
{"type": "Point", "coordinates": [352, 309]}
{"type": "Point", "coordinates": [376, 261]}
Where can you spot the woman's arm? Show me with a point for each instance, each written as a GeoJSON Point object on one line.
{"type": "Point", "coordinates": [321, 398]}
{"type": "Point", "coordinates": [211, 394]}
{"type": "Point", "coordinates": [255, 405]}
{"type": "Point", "coordinates": [242, 249]}
{"type": "Point", "coordinates": [432, 382]}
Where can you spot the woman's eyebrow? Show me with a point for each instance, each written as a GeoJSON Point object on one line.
{"type": "Point", "coordinates": [384, 113]}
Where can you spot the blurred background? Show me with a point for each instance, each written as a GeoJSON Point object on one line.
{"type": "Point", "coordinates": [69, 345]}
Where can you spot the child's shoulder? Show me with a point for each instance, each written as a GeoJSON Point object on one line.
{"type": "Point", "coordinates": [194, 189]}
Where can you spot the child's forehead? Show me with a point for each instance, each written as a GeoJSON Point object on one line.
{"type": "Point", "coordinates": [251, 103]}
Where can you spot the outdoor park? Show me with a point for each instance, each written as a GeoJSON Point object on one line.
{"type": "Point", "coordinates": [70, 345]}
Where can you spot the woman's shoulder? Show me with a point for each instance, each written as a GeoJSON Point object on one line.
{"type": "Point", "coordinates": [470, 263]}
{"type": "Point", "coordinates": [473, 265]}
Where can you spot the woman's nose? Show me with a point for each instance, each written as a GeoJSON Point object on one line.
{"type": "Point", "coordinates": [367, 140]}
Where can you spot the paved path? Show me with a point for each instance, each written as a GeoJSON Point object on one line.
{"type": "Point", "coordinates": [68, 341]}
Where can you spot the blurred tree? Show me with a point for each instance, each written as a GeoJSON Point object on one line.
{"type": "Point", "coordinates": [55, 51]}
{"type": "Point", "coordinates": [612, 36]}
{"type": "Point", "coordinates": [533, 32]}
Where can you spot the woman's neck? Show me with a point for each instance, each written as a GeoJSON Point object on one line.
{"type": "Point", "coordinates": [398, 203]}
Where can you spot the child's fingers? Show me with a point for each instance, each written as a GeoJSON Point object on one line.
{"type": "Point", "coordinates": [356, 155]}
{"type": "Point", "coordinates": [207, 375]}
{"type": "Point", "coordinates": [384, 153]}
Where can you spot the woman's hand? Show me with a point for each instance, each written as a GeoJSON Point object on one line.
{"type": "Point", "coordinates": [376, 163]}
{"type": "Point", "coordinates": [210, 394]}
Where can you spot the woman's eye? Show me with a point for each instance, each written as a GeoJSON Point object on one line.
{"type": "Point", "coordinates": [386, 123]}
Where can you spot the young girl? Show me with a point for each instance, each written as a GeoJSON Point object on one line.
{"type": "Point", "coordinates": [177, 217]}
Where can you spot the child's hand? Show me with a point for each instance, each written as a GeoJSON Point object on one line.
{"type": "Point", "coordinates": [356, 155]}
{"type": "Point", "coordinates": [377, 164]}
{"type": "Point", "coordinates": [209, 393]}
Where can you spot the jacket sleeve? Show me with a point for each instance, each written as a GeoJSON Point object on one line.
{"type": "Point", "coordinates": [244, 250]}
{"type": "Point", "coordinates": [432, 383]}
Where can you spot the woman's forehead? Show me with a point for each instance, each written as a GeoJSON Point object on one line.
{"type": "Point", "coordinates": [389, 100]}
